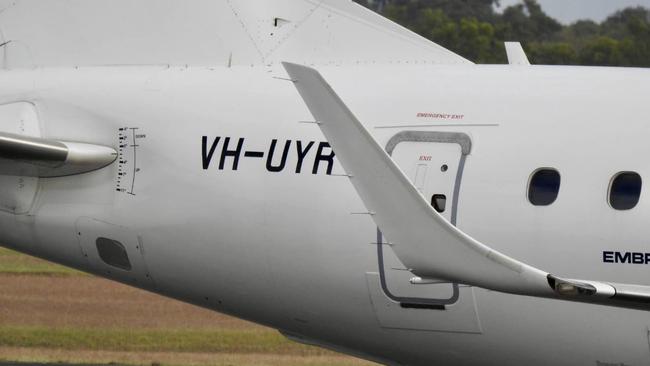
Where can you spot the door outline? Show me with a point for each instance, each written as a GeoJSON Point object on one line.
{"type": "Point", "coordinates": [465, 143]}
{"type": "Point", "coordinates": [90, 229]}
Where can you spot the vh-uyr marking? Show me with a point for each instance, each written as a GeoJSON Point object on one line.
{"type": "Point", "coordinates": [310, 154]}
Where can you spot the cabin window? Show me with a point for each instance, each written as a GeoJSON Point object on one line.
{"type": "Point", "coordinates": [113, 253]}
{"type": "Point", "coordinates": [544, 187]}
{"type": "Point", "coordinates": [625, 191]}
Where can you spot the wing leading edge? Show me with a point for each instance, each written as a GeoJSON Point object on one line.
{"type": "Point", "coordinates": [422, 239]}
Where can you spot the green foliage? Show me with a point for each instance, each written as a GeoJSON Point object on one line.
{"type": "Point", "coordinates": [473, 29]}
{"type": "Point", "coordinates": [553, 53]}
{"type": "Point", "coordinates": [454, 9]}
{"type": "Point", "coordinates": [603, 51]}
{"type": "Point", "coordinates": [527, 23]}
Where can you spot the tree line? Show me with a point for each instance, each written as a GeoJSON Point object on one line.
{"type": "Point", "coordinates": [475, 30]}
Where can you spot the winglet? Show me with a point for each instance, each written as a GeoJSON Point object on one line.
{"type": "Point", "coordinates": [422, 239]}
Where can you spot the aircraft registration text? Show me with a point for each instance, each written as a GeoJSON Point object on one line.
{"type": "Point", "coordinates": [226, 153]}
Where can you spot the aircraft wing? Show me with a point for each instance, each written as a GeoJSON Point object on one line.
{"type": "Point", "coordinates": [422, 239]}
{"type": "Point", "coordinates": [210, 33]}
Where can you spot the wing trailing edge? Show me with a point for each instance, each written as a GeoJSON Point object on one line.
{"type": "Point", "coordinates": [422, 239]}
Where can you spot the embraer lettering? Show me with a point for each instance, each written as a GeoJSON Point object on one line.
{"type": "Point", "coordinates": [626, 257]}
{"type": "Point", "coordinates": [227, 152]}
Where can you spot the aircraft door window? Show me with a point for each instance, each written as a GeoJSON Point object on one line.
{"type": "Point", "coordinates": [544, 187]}
{"type": "Point", "coordinates": [625, 191]}
{"type": "Point", "coordinates": [439, 202]}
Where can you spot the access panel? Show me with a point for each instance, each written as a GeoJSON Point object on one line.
{"type": "Point", "coordinates": [113, 251]}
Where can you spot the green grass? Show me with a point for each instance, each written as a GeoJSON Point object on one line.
{"type": "Point", "coordinates": [186, 347]}
{"type": "Point", "coordinates": [5, 252]}
{"type": "Point", "coordinates": [210, 341]}
{"type": "Point", "coordinates": [15, 263]}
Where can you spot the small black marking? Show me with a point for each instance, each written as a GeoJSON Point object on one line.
{"type": "Point", "coordinates": [254, 154]}
{"type": "Point", "coordinates": [406, 305]}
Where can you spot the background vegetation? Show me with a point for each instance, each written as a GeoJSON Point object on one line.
{"type": "Point", "coordinates": [473, 29]}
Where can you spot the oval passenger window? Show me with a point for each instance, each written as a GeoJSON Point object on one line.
{"type": "Point", "coordinates": [625, 191]}
{"type": "Point", "coordinates": [544, 187]}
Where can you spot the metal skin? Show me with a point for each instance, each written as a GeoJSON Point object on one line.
{"type": "Point", "coordinates": [282, 248]}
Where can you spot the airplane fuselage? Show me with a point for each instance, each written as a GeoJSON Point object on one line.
{"type": "Point", "coordinates": [225, 194]}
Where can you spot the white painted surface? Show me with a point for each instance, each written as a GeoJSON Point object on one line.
{"type": "Point", "coordinates": [230, 240]}
{"type": "Point", "coordinates": [251, 236]}
{"type": "Point", "coordinates": [205, 33]}
{"type": "Point", "coordinates": [516, 54]}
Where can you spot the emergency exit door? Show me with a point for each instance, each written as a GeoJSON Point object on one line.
{"type": "Point", "coordinates": [433, 169]}
{"type": "Point", "coordinates": [434, 162]}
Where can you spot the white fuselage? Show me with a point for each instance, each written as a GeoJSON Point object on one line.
{"type": "Point", "coordinates": [283, 248]}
